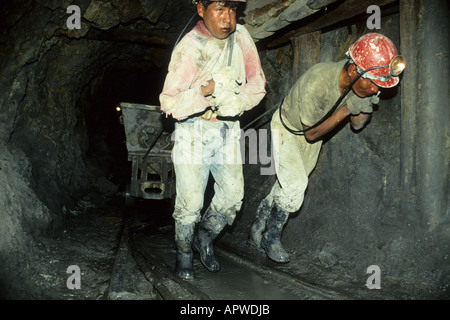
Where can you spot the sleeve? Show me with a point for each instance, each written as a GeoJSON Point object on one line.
{"type": "Point", "coordinates": [181, 95]}
{"type": "Point", "coordinates": [254, 89]}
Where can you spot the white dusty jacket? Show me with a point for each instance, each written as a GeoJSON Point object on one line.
{"type": "Point", "coordinates": [200, 57]}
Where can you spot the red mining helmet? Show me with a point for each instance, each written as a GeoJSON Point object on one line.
{"type": "Point", "coordinates": [376, 58]}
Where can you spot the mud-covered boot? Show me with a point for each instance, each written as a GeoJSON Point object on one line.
{"type": "Point", "coordinates": [259, 226]}
{"type": "Point", "coordinates": [184, 235]}
{"type": "Point", "coordinates": [210, 226]}
{"type": "Point", "coordinates": [271, 238]}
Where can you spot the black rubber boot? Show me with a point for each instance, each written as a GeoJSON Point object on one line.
{"type": "Point", "coordinates": [184, 235]}
{"type": "Point", "coordinates": [259, 226]}
{"type": "Point", "coordinates": [271, 238]}
{"type": "Point", "coordinates": [210, 226]}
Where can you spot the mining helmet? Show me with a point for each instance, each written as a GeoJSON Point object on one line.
{"type": "Point", "coordinates": [195, 1]}
{"type": "Point", "coordinates": [376, 59]}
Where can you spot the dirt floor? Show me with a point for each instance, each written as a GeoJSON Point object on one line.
{"type": "Point", "coordinates": [93, 240]}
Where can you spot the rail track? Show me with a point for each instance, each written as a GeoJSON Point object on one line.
{"type": "Point", "coordinates": [152, 251]}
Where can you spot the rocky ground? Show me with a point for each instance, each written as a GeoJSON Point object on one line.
{"type": "Point", "coordinates": [91, 240]}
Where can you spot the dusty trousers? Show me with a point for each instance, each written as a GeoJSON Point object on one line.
{"type": "Point", "coordinates": [295, 159]}
{"type": "Point", "coordinates": [202, 148]}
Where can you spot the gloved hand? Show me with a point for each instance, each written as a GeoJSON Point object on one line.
{"type": "Point", "coordinates": [374, 99]}
{"type": "Point", "coordinates": [356, 105]}
{"type": "Point", "coordinates": [226, 93]}
{"type": "Point", "coordinates": [226, 79]}
{"type": "Point", "coordinates": [229, 104]}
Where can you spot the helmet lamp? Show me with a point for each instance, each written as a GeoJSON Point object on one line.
{"type": "Point", "coordinates": [397, 66]}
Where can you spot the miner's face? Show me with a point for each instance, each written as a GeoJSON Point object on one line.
{"type": "Point", "coordinates": [219, 19]}
{"type": "Point", "coordinates": [362, 87]}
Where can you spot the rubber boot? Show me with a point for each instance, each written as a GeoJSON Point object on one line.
{"type": "Point", "coordinates": [210, 226]}
{"type": "Point", "coordinates": [259, 226]}
{"type": "Point", "coordinates": [271, 238]}
{"type": "Point", "coordinates": [184, 235]}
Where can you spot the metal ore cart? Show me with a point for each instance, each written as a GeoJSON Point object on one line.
{"type": "Point", "coordinates": [149, 149]}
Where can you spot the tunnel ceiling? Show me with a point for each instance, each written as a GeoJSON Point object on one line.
{"type": "Point", "coordinates": [160, 22]}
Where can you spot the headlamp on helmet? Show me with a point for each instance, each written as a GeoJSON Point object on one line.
{"type": "Point", "coordinates": [396, 68]}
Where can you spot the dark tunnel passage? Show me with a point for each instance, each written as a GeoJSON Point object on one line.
{"type": "Point", "coordinates": [377, 197]}
{"type": "Point", "coordinates": [124, 81]}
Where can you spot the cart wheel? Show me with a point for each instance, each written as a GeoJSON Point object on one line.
{"type": "Point", "coordinates": [129, 199]}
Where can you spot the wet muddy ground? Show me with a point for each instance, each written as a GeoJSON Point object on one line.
{"type": "Point", "coordinates": [128, 253]}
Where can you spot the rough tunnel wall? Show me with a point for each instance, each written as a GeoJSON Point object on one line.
{"type": "Point", "coordinates": [23, 215]}
{"type": "Point", "coordinates": [19, 224]}
{"type": "Point", "coordinates": [351, 217]}
{"type": "Point", "coordinates": [43, 131]}
{"type": "Point", "coordinates": [44, 78]}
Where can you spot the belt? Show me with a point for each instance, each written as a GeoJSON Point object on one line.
{"type": "Point", "coordinates": [209, 110]}
{"type": "Point", "coordinates": [209, 113]}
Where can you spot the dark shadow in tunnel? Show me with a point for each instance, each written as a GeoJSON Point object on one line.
{"type": "Point", "coordinates": [125, 81]}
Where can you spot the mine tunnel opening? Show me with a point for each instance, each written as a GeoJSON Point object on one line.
{"type": "Point", "coordinates": [132, 81]}
{"type": "Point", "coordinates": [135, 80]}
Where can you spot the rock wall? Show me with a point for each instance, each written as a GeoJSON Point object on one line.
{"type": "Point", "coordinates": [57, 107]}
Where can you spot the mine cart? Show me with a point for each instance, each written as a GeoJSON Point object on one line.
{"type": "Point", "coordinates": [149, 149]}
